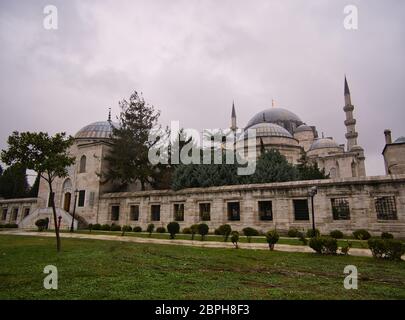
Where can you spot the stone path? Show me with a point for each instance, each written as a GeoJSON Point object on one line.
{"type": "Point", "coordinates": [193, 243]}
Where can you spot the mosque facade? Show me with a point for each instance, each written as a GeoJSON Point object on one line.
{"type": "Point", "coordinates": [348, 200]}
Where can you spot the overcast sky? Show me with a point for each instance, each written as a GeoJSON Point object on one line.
{"type": "Point", "coordinates": [192, 58]}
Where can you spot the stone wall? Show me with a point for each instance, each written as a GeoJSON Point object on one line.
{"type": "Point", "coordinates": [361, 195]}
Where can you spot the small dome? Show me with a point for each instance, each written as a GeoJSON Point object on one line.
{"type": "Point", "coordinates": [268, 130]}
{"type": "Point", "coordinates": [323, 143]}
{"type": "Point", "coordinates": [275, 115]}
{"type": "Point", "coordinates": [303, 128]}
{"type": "Point", "coordinates": [356, 148]}
{"type": "Point", "coordinates": [400, 140]}
{"type": "Point", "coordinates": [96, 130]}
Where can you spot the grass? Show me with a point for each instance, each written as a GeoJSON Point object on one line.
{"type": "Point", "coordinates": [95, 269]}
{"type": "Point", "coordinates": [260, 239]}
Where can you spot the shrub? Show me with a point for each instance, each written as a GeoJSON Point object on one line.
{"type": "Point", "coordinates": [115, 227]}
{"type": "Point", "coordinates": [386, 248]}
{"type": "Point", "coordinates": [225, 230]}
{"type": "Point", "coordinates": [150, 229]}
{"type": "Point", "coordinates": [194, 230]}
{"type": "Point", "coordinates": [337, 234]}
{"type": "Point", "coordinates": [387, 235]}
{"type": "Point", "coordinates": [217, 232]}
{"type": "Point", "coordinates": [105, 227]}
{"type": "Point", "coordinates": [187, 230]}
{"type": "Point", "coordinates": [96, 226]}
{"type": "Point", "coordinates": [90, 226]}
{"type": "Point", "coordinates": [160, 230]}
{"type": "Point", "coordinates": [173, 228]}
{"type": "Point", "coordinates": [137, 229]}
{"type": "Point", "coordinates": [302, 238]}
{"type": "Point", "coordinates": [293, 233]}
{"type": "Point", "coordinates": [40, 223]}
{"type": "Point", "coordinates": [249, 233]}
{"type": "Point", "coordinates": [361, 234]}
{"type": "Point", "coordinates": [203, 230]}
{"type": "Point", "coordinates": [311, 233]}
{"type": "Point", "coordinates": [1, 226]}
{"type": "Point", "coordinates": [324, 245]}
{"type": "Point", "coordinates": [345, 248]}
{"type": "Point", "coordinates": [11, 225]}
{"type": "Point", "coordinates": [272, 238]}
{"type": "Point", "coordinates": [235, 238]}
{"type": "Point", "coordinates": [126, 228]}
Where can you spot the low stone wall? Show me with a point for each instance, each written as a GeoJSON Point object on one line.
{"type": "Point", "coordinates": [370, 200]}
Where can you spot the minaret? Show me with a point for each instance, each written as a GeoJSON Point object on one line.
{"type": "Point", "coordinates": [350, 122]}
{"type": "Point", "coordinates": [109, 115]}
{"type": "Point", "coordinates": [233, 118]}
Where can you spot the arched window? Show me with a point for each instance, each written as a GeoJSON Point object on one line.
{"type": "Point", "coordinates": [332, 173]}
{"type": "Point", "coordinates": [82, 164]}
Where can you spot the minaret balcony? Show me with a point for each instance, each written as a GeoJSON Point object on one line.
{"type": "Point", "coordinates": [350, 122]}
{"type": "Point", "coordinates": [351, 135]}
{"type": "Point", "coordinates": [348, 108]}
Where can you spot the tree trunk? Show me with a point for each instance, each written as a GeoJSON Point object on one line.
{"type": "Point", "coordinates": [55, 218]}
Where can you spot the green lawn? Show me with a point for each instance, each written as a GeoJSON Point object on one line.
{"type": "Point", "coordinates": [95, 269]}
{"type": "Point", "coordinates": [243, 239]}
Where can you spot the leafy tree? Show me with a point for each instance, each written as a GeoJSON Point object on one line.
{"type": "Point", "coordinates": [150, 229]}
{"type": "Point", "coordinates": [194, 230]}
{"type": "Point", "coordinates": [35, 187]}
{"type": "Point", "coordinates": [203, 230]}
{"type": "Point", "coordinates": [41, 153]}
{"type": "Point", "coordinates": [1, 170]}
{"type": "Point", "coordinates": [235, 238]}
{"type": "Point", "coordinates": [13, 182]}
{"type": "Point", "coordinates": [272, 166]}
{"type": "Point", "coordinates": [309, 170]}
{"type": "Point", "coordinates": [225, 230]}
{"type": "Point", "coordinates": [173, 228]}
{"type": "Point", "coordinates": [128, 159]}
{"type": "Point", "coordinates": [272, 238]}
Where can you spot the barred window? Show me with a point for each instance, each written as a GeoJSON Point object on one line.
{"type": "Point", "coordinates": [134, 213]}
{"type": "Point", "coordinates": [179, 211]}
{"type": "Point", "coordinates": [233, 211]}
{"type": "Point", "coordinates": [115, 213]}
{"type": "Point", "coordinates": [265, 210]}
{"type": "Point", "coordinates": [155, 212]}
{"type": "Point", "coordinates": [82, 197]}
{"type": "Point", "coordinates": [15, 214]}
{"type": "Point", "coordinates": [205, 211]}
{"type": "Point", "coordinates": [91, 199]}
{"type": "Point", "coordinates": [340, 209]}
{"type": "Point", "coordinates": [386, 208]}
{"type": "Point", "coordinates": [301, 209]}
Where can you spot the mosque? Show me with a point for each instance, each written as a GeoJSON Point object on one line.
{"type": "Point", "coordinates": [347, 201]}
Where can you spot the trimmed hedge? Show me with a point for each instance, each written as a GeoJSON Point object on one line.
{"type": "Point", "coordinates": [361, 234]}
{"type": "Point", "coordinates": [250, 232]}
{"type": "Point", "coordinates": [115, 227]}
{"type": "Point", "coordinates": [126, 228]}
{"type": "Point", "coordinates": [293, 233]}
{"type": "Point", "coordinates": [337, 234]}
{"type": "Point", "coordinates": [324, 245]}
{"type": "Point", "coordinates": [161, 230]}
{"type": "Point", "coordinates": [389, 249]}
{"type": "Point", "coordinates": [387, 235]}
{"type": "Point", "coordinates": [137, 229]}
{"type": "Point", "coordinates": [96, 226]}
{"type": "Point", "coordinates": [312, 234]}
{"type": "Point", "coordinates": [11, 225]}
{"type": "Point", "coordinates": [187, 231]}
{"type": "Point", "coordinates": [105, 227]}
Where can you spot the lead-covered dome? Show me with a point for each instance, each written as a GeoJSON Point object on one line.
{"type": "Point", "coordinates": [280, 116]}
{"type": "Point", "coordinates": [323, 143]}
{"type": "Point", "coordinates": [268, 130]}
{"type": "Point", "coordinates": [303, 128]}
{"type": "Point", "coordinates": [96, 130]}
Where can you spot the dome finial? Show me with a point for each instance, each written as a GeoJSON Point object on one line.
{"type": "Point", "coordinates": [109, 115]}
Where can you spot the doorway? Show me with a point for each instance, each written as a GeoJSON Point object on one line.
{"type": "Point", "coordinates": [66, 204]}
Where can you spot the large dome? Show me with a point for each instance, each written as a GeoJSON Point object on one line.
{"type": "Point", "coordinates": [96, 130]}
{"type": "Point", "coordinates": [400, 140]}
{"type": "Point", "coordinates": [280, 116]}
